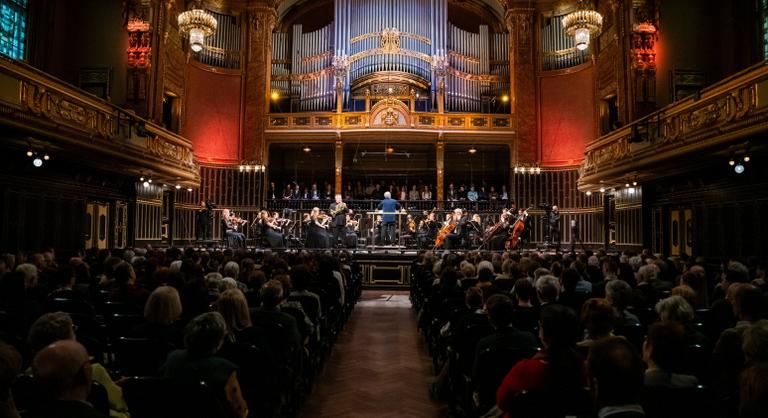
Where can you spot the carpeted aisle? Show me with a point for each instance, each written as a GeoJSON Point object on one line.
{"type": "Point", "coordinates": [379, 366]}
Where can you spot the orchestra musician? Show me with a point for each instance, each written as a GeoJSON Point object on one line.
{"type": "Point", "coordinates": [204, 216]}
{"type": "Point", "coordinates": [351, 229]}
{"type": "Point", "coordinates": [270, 230]}
{"type": "Point", "coordinates": [525, 218]}
{"type": "Point", "coordinates": [389, 206]}
{"type": "Point", "coordinates": [338, 214]}
{"type": "Point", "coordinates": [497, 240]}
{"type": "Point", "coordinates": [427, 230]}
{"type": "Point", "coordinates": [554, 226]}
{"type": "Point", "coordinates": [475, 230]}
{"type": "Point", "coordinates": [317, 230]}
{"type": "Point", "coordinates": [453, 239]}
{"type": "Point", "coordinates": [235, 238]}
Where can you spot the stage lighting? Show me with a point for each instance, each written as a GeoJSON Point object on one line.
{"type": "Point", "coordinates": [602, 190]}
{"type": "Point", "coordinates": [275, 95]}
{"type": "Point", "coordinates": [306, 149]}
{"type": "Point", "coordinates": [739, 168]}
{"type": "Point", "coordinates": [141, 178]}
{"type": "Point", "coordinates": [146, 184]}
{"type": "Point", "coordinates": [472, 150]}
{"type": "Point", "coordinates": [390, 150]}
{"type": "Point", "coordinates": [626, 184]}
{"type": "Point", "coordinates": [631, 190]}
{"type": "Point", "coordinates": [505, 98]}
{"type": "Point", "coordinates": [189, 189]}
{"type": "Point", "coordinates": [149, 181]}
{"type": "Point", "coordinates": [746, 158]}
{"type": "Point", "coordinates": [37, 162]}
{"type": "Point", "coordinates": [589, 193]}
{"type": "Point", "coordinates": [634, 183]}
{"type": "Point", "coordinates": [731, 162]}
{"type": "Point", "coordinates": [30, 153]}
{"type": "Point", "coordinates": [178, 186]}
{"type": "Point", "coordinates": [46, 157]}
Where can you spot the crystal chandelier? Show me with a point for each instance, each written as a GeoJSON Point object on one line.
{"type": "Point", "coordinates": [582, 24]}
{"type": "Point", "coordinates": [197, 24]}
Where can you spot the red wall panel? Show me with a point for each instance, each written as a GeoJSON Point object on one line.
{"type": "Point", "coordinates": [566, 115]}
{"type": "Point", "coordinates": [212, 115]}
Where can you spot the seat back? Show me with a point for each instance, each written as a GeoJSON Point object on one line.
{"type": "Point", "coordinates": [140, 356]}
{"type": "Point", "coordinates": [664, 402]}
{"type": "Point", "coordinates": [635, 333]}
{"type": "Point", "coordinates": [121, 324]}
{"type": "Point", "coordinates": [28, 394]}
{"type": "Point", "coordinates": [158, 397]}
{"type": "Point", "coordinates": [466, 343]}
{"type": "Point", "coordinates": [548, 404]}
{"type": "Point", "coordinates": [71, 306]}
{"type": "Point", "coordinates": [310, 305]}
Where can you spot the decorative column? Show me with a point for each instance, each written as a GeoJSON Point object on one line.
{"type": "Point", "coordinates": [644, 37]}
{"type": "Point", "coordinates": [258, 61]}
{"type": "Point", "coordinates": [367, 107]}
{"type": "Point", "coordinates": [440, 157]}
{"type": "Point", "coordinates": [520, 24]}
{"type": "Point", "coordinates": [412, 107]}
{"type": "Point", "coordinates": [339, 154]}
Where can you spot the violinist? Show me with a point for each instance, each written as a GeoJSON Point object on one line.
{"type": "Point", "coordinates": [231, 223]}
{"type": "Point", "coordinates": [427, 230]}
{"type": "Point", "coordinates": [410, 225]}
{"type": "Point", "coordinates": [317, 230]}
{"type": "Point", "coordinates": [475, 230]}
{"type": "Point", "coordinates": [269, 230]}
{"type": "Point", "coordinates": [351, 230]}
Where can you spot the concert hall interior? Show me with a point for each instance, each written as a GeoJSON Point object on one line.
{"type": "Point", "coordinates": [396, 207]}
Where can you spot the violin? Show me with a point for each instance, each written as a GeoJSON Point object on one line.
{"type": "Point", "coordinates": [517, 230]}
{"type": "Point", "coordinates": [412, 226]}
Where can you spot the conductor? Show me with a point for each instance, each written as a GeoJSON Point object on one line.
{"type": "Point", "coordinates": [389, 207]}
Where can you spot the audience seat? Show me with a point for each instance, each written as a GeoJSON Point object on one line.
{"type": "Point", "coordinates": [634, 333]}
{"type": "Point", "coordinates": [491, 366]}
{"type": "Point", "coordinates": [139, 356]}
{"type": "Point", "coordinates": [71, 306]}
{"type": "Point", "coordinates": [663, 402]}
{"type": "Point", "coordinates": [545, 404]}
{"type": "Point", "coordinates": [27, 394]}
{"type": "Point", "coordinates": [157, 397]}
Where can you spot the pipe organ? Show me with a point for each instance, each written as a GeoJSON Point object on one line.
{"type": "Point", "coordinates": [223, 48]}
{"type": "Point", "coordinates": [382, 48]}
{"type": "Point", "coordinates": [558, 50]}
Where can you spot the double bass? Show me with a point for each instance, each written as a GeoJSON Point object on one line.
{"type": "Point", "coordinates": [517, 231]}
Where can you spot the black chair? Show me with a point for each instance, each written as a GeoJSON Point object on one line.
{"type": "Point", "coordinates": [27, 394]}
{"type": "Point", "coordinates": [547, 404]}
{"type": "Point", "coordinates": [71, 306]}
{"type": "Point", "coordinates": [634, 333]}
{"type": "Point", "coordinates": [140, 356]}
{"type": "Point", "coordinates": [663, 402]}
{"type": "Point", "coordinates": [263, 379]}
{"type": "Point", "coordinates": [491, 366]}
{"type": "Point", "coordinates": [113, 307]}
{"type": "Point", "coordinates": [647, 316]}
{"type": "Point", "coordinates": [121, 324]}
{"type": "Point", "coordinates": [696, 361]}
{"type": "Point", "coordinates": [158, 397]}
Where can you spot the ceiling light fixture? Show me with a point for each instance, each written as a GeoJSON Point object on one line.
{"type": "Point", "coordinates": [583, 24]}
{"type": "Point", "coordinates": [197, 24]}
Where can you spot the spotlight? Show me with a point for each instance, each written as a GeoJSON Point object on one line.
{"type": "Point", "coordinates": [46, 157]}
{"type": "Point", "coordinates": [149, 181]}
{"type": "Point", "coordinates": [390, 150]}
{"type": "Point", "coordinates": [739, 168]}
{"type": "Point", "coordinates": [306, 148]}
{"type": "Point", "coordinates": [589, 193]}
{"type": "Point", "coordinates": [731, 162]}
{"type": "Point", "coordinates": [602, 190]}
{"type": "Point", "coordinates": [37, 162]}
{"type": "Point", "coordinates": [626, 184]}
{"type": "Point", "coordinates": [146, 184]}
{"type": "Point", "coordinates": [141, 178]}
{"type": "Point", "coordinates": [746, 158]}
{"type": "Point", "coordinates": [505, 98]}
{"type": "Point", "coordinates": [472, 150]}
{"type": "Point", "coordinates": [242, 168]}
{"type": "Point", "coordinates": [417, 95]}
{"type": "Point", "coordinates": [189, 189]}
{"type": "Point", "coordinates": [178, 186]}
{"type": "Point", "coordinates": [275, 95]}
{"type": "Point", "coordinates": [30, 153]}
{"type": "Point", "coordinates": [538, 170]}
{"type": "Point", "coordinates": [634, 183]}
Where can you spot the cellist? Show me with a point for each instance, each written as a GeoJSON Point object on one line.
{"type": "Point", "coordinates": [498, 238]}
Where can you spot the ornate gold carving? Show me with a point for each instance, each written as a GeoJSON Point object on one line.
{"type": "Point", "coordinates": [368, 35]}
{"type": "Point", "coordinates": [317, 57]}
{"type": "Point", "coordinates": [500, 122]}
{"type": "Point", "coordinates": [63, 109]}
{"type": "Point", "coordinates": [483, 78]}
{"type": "Point", "coordinates": [479, 122]}
{"type": "Point", "coordinates": [462, 57]}
{"type": "Point", "coordinates": [390, 112]}
{"type": "Point", "coordinates": [163, 148]}
{"type": "Point", "coordinates": [390, 40]}
{"type": "Point", "coordinates": [279, 121]}
{"type": "Point", "coordinates": [381, 51]}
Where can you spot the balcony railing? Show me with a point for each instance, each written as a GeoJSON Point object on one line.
{"type": "Point", "coordinates": [31, 100]}
{"type": "Point", "coordinates": [734, 108]}
{"type": "Point", "coordinates": [362, 120]}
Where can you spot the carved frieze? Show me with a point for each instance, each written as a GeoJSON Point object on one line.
{"type": "Point", "coordinates": [63, 109]}
{"type": "Point", "coordinates": [166, 149]}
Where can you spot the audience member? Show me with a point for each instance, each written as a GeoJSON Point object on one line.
{"type": "Point", "coordinates": [663, 350]}
{"type": "Point", "coordinates": [161, 313]}
{"type": "Point", "coordinates": [197, 362]}
{"type": "Point", "coordinates": [618, 294]}
{"type": "Point", "coordinates": [616, 378]}
{"type": "Point", "coordinates": [597, 319]}
{"type": "Point", "coordinates": [10, 367]}
{"type": "Point", "coordinates": [65, 375]}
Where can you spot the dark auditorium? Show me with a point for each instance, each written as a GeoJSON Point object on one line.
{"type": "Point", "coordinates": [383, 208]}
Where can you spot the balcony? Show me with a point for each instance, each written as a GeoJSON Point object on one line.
{"type": "Point", "coordinates": [88, 130]}
{"type": "Point", "coordinates": [681, 135]}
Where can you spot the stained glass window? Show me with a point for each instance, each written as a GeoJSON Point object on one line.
{"type": "Point", "coordinates": [13, 28]}
{"type": "Point", "coordinates": [764, 4]}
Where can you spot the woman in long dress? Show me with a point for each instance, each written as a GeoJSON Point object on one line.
{"type": "Point", "coordinates": [269, 230]}
{"type": "Point", "coordinates": [318, 230]}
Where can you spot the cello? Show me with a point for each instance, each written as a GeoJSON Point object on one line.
{"type": "Point", "coordinates": [517, 231]}
{"type": "Point", "coordinates": [444, 231]}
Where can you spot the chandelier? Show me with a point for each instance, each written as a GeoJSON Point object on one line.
{"type": "Point", "coordinates": [197, 24]}
{"type": "Point", "coordinates": [582, 24]}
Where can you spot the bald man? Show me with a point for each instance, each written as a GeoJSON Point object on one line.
{"type": "Point", "coordinates": [64, 372]}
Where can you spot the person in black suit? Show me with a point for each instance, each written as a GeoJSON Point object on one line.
{"type": "Point", "coordinates": [64, 372]}
{"type": "Point", "coordinates": [453, 240]}
{"type": "Point", "coordinates": [339, 220]}
{"type": "Point", "coordinates": [506, 337]}
{"type": "Point", "coordinates": [554, 226]}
